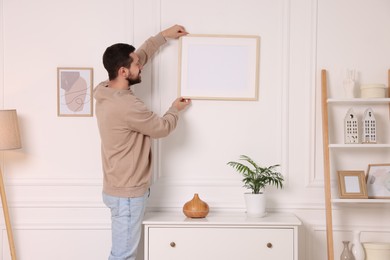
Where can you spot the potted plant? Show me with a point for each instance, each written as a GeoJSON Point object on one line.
{"type": "Point", "coordinates": [256, 178]}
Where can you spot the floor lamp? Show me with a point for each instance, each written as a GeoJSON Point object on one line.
{"type": "Point", "coordinates": [9, 140]}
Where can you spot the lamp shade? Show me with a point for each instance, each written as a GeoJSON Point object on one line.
{"type": "Point", "coordinates": [9, 130]}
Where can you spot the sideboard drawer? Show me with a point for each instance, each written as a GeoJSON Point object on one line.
{"type": "Point", "coordinates": [211, 243]}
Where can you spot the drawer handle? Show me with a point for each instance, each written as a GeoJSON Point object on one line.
{"type": "Point", "coordinates": [172, 244]}
{"type": "Point", "coordinates": [269, 245]}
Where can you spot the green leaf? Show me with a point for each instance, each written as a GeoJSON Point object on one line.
{"type": "Point", "coordinates": [257, 178]}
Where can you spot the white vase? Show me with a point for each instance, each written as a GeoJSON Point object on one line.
{"type": "Point", "coordinates": [357, 247]}
{"type": "Point", "coordinates": [255, 204]}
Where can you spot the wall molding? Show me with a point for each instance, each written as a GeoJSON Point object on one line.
{"type": "Point", "coordinates": [313, 180]}
{"type": "Point", "coordinates": [41, 203]}
{"type": "Point", "coordinates": [285, 75]}
{"type": "Point", "coordinates": [352, 228]}
{"type": "Point", "coordinates": [2, 54]}
{"type": "Point", "coordinates": [50, 224]}
{"type": "Point", "coordinates": [54, 182]}
{"type": "Point", "coordinates": [156, 94]}
{"type": "Point", "coordinates": [93, 186]}
{"type": "Point", "coordinates": [173, 206]}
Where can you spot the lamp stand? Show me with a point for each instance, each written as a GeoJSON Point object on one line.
{"type": "Point", "coordinates": [6, 218]}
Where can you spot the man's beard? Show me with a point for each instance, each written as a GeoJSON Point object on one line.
{"type": "Point", "coordinates": [133, 81]}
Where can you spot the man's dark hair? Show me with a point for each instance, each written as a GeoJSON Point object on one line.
{"type": "Point", "coordinates": [117, 56]}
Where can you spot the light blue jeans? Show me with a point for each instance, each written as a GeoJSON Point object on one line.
{"type": "Point", "coordinates": [126, 225]}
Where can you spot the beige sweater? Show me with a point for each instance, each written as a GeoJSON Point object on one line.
{"type": "Point", "coordinates": [126, 128]}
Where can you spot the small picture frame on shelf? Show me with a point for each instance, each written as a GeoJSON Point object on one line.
{"type": "Point", "coordinates": [352, 185]}
{"type": "Point", "coordinates": [378, 181]}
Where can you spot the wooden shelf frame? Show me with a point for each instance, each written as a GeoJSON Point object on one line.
{"type": "Point", "coordinates": [327, 180]}
{"type": "Point", "coordinates": [326, 150]}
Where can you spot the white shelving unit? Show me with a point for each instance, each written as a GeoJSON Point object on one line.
{"type": "Point", "coordinates": [334, 147]}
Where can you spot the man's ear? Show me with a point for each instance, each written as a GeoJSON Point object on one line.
{"type": "Point", "coordinates": [123, 72]}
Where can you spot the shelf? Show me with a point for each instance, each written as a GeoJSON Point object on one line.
{"type": "Point", "coordinates": [366, 149]}
{"type": "Point", "coordinates": [359, 100]}
{"type": "Point", "coordinates": [361, 201]}
{"type": "Point", "coordinates": [359, 145]}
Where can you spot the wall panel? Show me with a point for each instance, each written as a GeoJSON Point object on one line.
{"type": "Point", "coordinates": [211, 133]}
{"type": "Point", "coordinates": [54, 182]}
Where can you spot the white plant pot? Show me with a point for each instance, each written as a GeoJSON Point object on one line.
{"type": "Point", "coordinates": [255, 204]}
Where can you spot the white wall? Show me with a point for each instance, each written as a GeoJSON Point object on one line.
{"type": "Point", "coordinates": [54, 182]}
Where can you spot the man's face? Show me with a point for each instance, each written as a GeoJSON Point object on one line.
{"type": "Point", "coordinates": [134, 76]}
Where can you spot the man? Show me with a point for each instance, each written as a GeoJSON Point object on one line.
{"type": "Point", "coordinates": [126, 128]}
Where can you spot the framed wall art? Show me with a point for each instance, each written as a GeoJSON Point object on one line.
{"type": "Point", "coordinates": [378, 181]}
{"type": "Point", "coordinates": [74, 91]}
{"type": "Point", "coordinates": [352, 185]}
{"type": "Point", "coordinates": [216, 67]}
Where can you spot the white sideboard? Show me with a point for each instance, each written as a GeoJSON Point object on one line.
{"type": "Point", "coordinates": [172, 236]}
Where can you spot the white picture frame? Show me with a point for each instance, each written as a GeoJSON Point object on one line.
{"type": "Point", "coordinates": [378, 181]}
{"type": "Point", "coordinates": [219, 67]}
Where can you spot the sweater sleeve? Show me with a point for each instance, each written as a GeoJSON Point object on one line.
{"type": "Point", "coordinates": [149, 47]}
{"type": "Point", "coordinates": [141, 119]}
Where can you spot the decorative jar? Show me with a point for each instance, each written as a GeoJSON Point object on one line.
{"type": "Point", "coordinates": [346, 254]}
{"type": "Point", "coordinates": [373, 91]}
{"type": "Point", "coordinates": [196, 208]}
{"type": "Point", "coordinates": [377, 251]}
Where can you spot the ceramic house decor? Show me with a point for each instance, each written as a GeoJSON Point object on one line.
{"type": "Point", "coordinates": [369, 127]}
{"type": "Point", "coordinates": [351, 128]}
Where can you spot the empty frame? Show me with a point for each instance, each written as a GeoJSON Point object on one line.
{"type": "Point", "coordinates": [222, 67]}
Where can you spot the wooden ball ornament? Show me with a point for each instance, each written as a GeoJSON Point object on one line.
{"type": "Point", "coordinates": [196, 208]}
